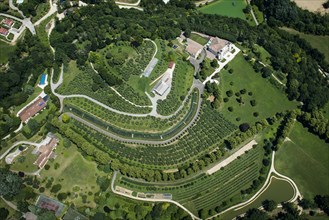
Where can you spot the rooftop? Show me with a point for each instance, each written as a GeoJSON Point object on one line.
{"type": "Point", "coordinates": [45, 152]}
{"type": "Point", "coordinates": [217, 44]}
{"type": "Point", "coordinates": [193, 48]}
{"type": "Point", "coordinates": [4, 31]}
{"type": "Point", "coordinates": [8, 22]}
{"type": "Point", "coordinates": [32, 109]}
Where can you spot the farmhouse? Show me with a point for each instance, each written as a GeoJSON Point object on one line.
{"type": "Point", "coordinates": [4, 31]}
{"type": "Point", "coordinates": [33, 109]}
{"type": "Point", "coordinates": [46, 152]}
{"type": "Point", "coordinates": [7, 22]}
{"type": "Point", "coordinates": [218, 47]}
{"type": "Point", "coordinates": [193, 48]}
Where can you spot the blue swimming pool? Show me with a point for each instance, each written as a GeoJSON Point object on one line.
{"type": "Point", "coordinates": [43, 79]}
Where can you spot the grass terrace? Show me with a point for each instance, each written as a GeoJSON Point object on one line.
{"type": "Point", "coordinates": [304, 157]}
{"type": "Point", "coordinates": [78, 81]}
{"type": "Point", "coordinates": [247, 96]}
{"type": "Point", "coordinates": [204, 136]}
{"type": "Point", "coordinates": [142, 127]}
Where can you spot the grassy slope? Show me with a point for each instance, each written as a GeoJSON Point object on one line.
{"type": "Point", "coordinates": [318, 42]}
{"type": "Point", "coordinates": [69, 174]}
{"type": "Point", "coordinates": [306, 161]}
{"type": "Point", "coordinates": [269, 99]}
{"type": "Point", "coordinates": [226, 8]}
{"type": "Point", "coordinates": [6, 51]}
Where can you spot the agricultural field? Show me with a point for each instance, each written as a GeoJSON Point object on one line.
{"type": "Point", "coordinates": [6, 50]}
{"type": "Point", "coordinates": [304, 158]}
{"type": "Point", "coordinates": [210, 131]}
{"type": "Point", "coordinates": [62, 175]}
{"type": "Point", "coordinates": [78, 81]}
{"type": "Point", "coordinates": [321, 43]}
{"type": "Point", "coordinates": [247, 96]}
{"type": "Point", "coordinates": [147, 127]}
{"type": "Point", "coordinates": [181, 84]}
{"type": "Point", "coordinates": [208, 191]}
{"type": "Point", "coordinates": [226, 8]}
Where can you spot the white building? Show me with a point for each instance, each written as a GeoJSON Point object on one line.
{"type": "Point", "coordinates": [219, 47]}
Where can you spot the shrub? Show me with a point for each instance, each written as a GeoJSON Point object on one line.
{"type": "Point", "coordinates": [56, 188]}
{"type": "Point", "coordinates": [41, 189]}
{"type": "Point", "coordinates": [243, 91]}
{"type": "Point", "coordinates": [238, 119]}
{"type": "Point", "coordinates": [256, 114]}
{"type": "Point", "coordinates": [230, 109]}
{"type": "Point", "coordinates": [225, 99]}
{"type": "Point", "coordinates": [244, 127]}
{"type": "Point", "coordinates": [253, 102]}
{"type": "Point", "coordinates": [250, 93]}
{"type": "Point", "coordinates": [62, 196]}
{"type": "Point", "coordinates": [47, 167]}
{"type": "Point", "coordinates": [229, 93]}
{"type": "Point", "coordinates": [230, 71]}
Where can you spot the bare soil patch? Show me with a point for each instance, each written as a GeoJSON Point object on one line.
{"type": "Point", "coordinates": [312, 5]}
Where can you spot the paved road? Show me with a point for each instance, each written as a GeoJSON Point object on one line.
{"type": "Point", "coordinates": [149, 199]}
{"type": "Point", "coordinates": [16, 144]}
{"type": "Point", "coordinates": [128, 4]}
{"type": "Point", "coordinates": [52, 10]}
{"type": "Point", "coordinates": [253, 14]}
{"type": "Point", "coordinates": [196, 62]}
{"type": "Point", "coordinates": [155, 53]}
{"type": "Point", "coordinates": [27, 22]}
{"type": "Point", "coordinates": [12, 6]}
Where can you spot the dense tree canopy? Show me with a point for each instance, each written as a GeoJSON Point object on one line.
{"type": "Point", "coordinates": [10, 183]}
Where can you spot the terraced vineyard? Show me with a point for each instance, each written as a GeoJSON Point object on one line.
{"type": "Point", "coordinates": [210, 130]}
{"type": "Point", "coordinates": [207, 191]}
{"type": "Point", "coordinates": [140, 127]}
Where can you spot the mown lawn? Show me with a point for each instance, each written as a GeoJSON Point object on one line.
{"type": "Point", "coordinates": [320, 43]}
{"type": "Point", "coordinates": [6, 50]}
{"type": "Point", "coordinates": [24, 162]}
{"type": "Point", "coordinates": [305, 159]}
{"type": "Point", "coordinates": [230, 8]}
{"type": "Point", "coordinates": [75, 174]}
{"type": "Point", "coordinates": [199, 39]}
{"type": "Point", "coordinates": [269, 100]}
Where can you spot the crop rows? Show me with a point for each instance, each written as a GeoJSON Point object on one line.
{"type": "Point", "coordinates": [208, 131]}
{"type": "Point", "coordinates": [111, 121]}
{"type": "Point", "coordinates": [209, 191]}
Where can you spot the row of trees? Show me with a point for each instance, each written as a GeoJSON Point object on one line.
{"type": "Point", "coordinates": [287, 13]}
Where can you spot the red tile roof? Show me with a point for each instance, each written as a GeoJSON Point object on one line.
{"type": "Point", "coordinates": [45, 152]}
{"type": "Point", "coordinates": [3, 31]}
{"type": "Point", "coordinates": [8, 22]}
{"type": "Point", "coordinates": [32, 109]}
